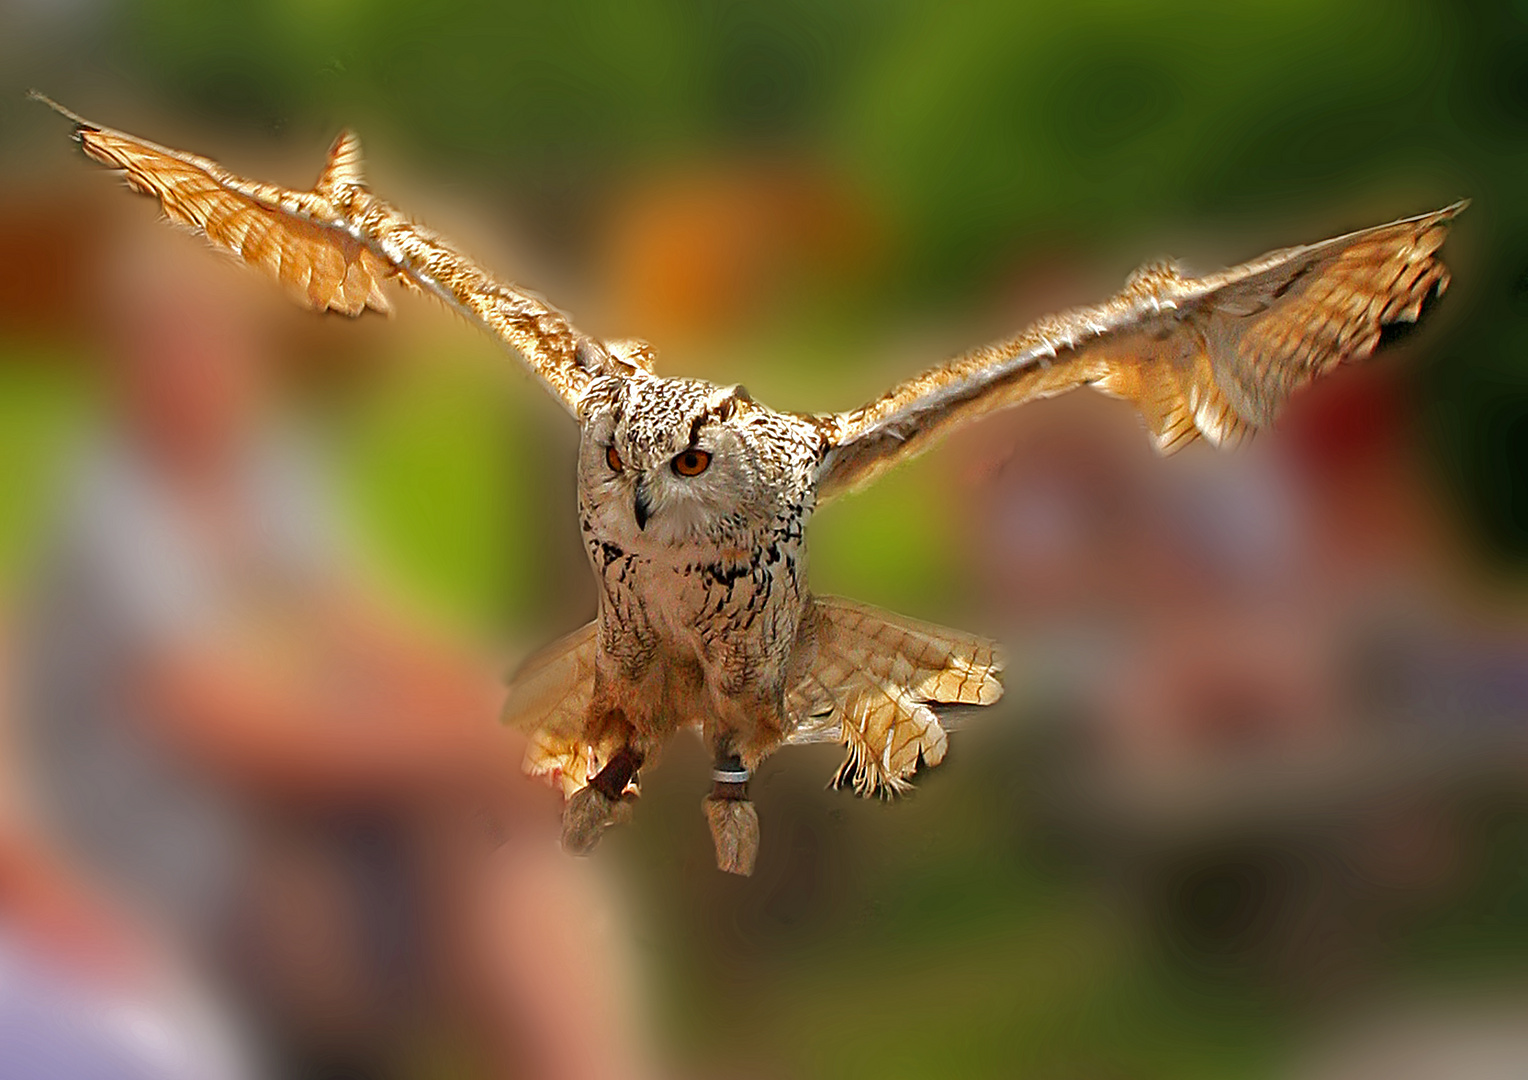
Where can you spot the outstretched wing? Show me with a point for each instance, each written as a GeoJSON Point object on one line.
{"type": "Point", "coordinates": [334, 246]}
{"type": "Point", "coordinates": [1214, 356]}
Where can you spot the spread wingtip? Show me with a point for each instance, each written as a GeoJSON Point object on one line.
{"type": "Point", "coordinates": [78, 120]}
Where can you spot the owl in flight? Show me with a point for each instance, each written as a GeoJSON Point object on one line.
{"type": "Point", "coordinates": [694, 499]}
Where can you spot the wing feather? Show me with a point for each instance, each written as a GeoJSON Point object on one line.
{"type": "Point", "coordinates": [1213, 356]}
{"type": "Point", "coordinates": [549, 700]}
{"type": "Point", "coordinates": [334, 246]}
{"type": "Point", "coordinates": [868, 680]}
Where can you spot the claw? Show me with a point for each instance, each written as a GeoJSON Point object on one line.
{"type": "Point", "coordinates": [601, 804]}
{"type": "Point", "coordinates": [733, 820]}
{"type": "Point", "coordinates": [586, 817]}
{"type": "Point", "coordinates": [735, 831]}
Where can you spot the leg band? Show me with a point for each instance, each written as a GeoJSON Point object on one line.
{"type": "Point", "coordinates": [729, 779]}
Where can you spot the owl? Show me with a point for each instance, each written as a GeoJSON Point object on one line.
{"type": "Point", "coordinates": [694, 499]}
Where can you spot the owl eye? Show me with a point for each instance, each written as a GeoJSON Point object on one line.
{"type": "Point", "coordinates": [612, 458]}
{"type": "Point", "coordinates": [691, 462]}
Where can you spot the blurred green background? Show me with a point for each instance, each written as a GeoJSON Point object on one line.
{"type": "Point", "coordinates": [980, 153]}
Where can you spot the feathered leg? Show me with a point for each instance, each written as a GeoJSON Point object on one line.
{"type": "Point", "coordinates": [600, 804]}
{"type": "Point", "coordinates": [734, 821]}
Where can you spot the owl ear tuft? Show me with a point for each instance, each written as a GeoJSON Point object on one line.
{"type": "Point", "coordinates": [729, 405]}
{"type": "Point", "coordinates": [342, 169]}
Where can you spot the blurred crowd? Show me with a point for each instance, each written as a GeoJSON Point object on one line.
{"type": "Point", "coordinates": [242, 777]}
{"type": "Point", "coordinates": [1293, 700]}
{"type": "Point", "coordinates": [260, 820]}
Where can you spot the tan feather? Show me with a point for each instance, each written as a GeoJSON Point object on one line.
{"type": "Point", "coordinates": [1214, 356]}
{"type": "Point", "coordinates": [333, 246]}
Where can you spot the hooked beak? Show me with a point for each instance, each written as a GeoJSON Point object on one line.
{"type": "Point", "coordinates": [643, 507]}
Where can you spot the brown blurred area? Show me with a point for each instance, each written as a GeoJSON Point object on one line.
{"type": "Point", "coordinates": [45, 244]}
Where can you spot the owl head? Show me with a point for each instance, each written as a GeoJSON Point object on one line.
{"type": "Point", "coordinates": [668, 462]}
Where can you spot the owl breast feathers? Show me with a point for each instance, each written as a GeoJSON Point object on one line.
{"type": "Point", "coordinates": [694, 499]}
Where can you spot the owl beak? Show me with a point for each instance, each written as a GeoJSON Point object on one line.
{"type": "Point", "coordinates": [643, 507]}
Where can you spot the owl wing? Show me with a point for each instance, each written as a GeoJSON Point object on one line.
{"type": "Point", "coordinates": [868, 680]}
{"type": "Point", "coordinates": [549, 699]}
{"type": "Point", "coordinates": [334, 246]}
{"type": "Point", "coordinates": [1214, 356]}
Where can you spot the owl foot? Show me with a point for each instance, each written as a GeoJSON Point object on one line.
{"type": "Point", "coordinates": [601, 804]}
{"type": "Point", "coordinates": [735, 832]}
{"type": "Point", "coordinates": [733, 820]}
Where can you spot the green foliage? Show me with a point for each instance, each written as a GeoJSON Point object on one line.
{"type": "Point", "coordinates": [42, 408]}
{"type": "Point", "coordinates": [434, 462]}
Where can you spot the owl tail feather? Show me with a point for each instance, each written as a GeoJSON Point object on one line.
{"type": "Point", "coordinates": [868, 678]}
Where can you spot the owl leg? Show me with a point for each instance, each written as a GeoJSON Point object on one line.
{"type": "Point", "coordinates": [734, 821]}
{"type": "Point", "coordinates": [600, 804]}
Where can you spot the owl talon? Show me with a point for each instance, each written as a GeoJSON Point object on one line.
{"type": "Point", "coordinates": [586, 817]}
{"type": "Point", "coordinates": [733, 820]}
{"type": "Point", "coordinates": [735, 832]}
{"type": "Point", "coordinates": [601, 804]}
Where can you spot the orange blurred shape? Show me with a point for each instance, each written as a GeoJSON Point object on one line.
{"type": "Point", "coordinates": [695, 251]}
{"type": "Point", "coordinates": [45, 242]}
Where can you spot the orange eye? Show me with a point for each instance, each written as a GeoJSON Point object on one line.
{"type": "Point", "coordinates": [691, 462]}
{"type": "Point", "coordinates": [612, 458]}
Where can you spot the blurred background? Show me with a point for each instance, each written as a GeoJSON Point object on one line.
{"type": "Point", "coordinates": [1256, 802]}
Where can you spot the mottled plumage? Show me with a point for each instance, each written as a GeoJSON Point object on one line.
{"type": "Point", "coordinates": [694, 500]}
